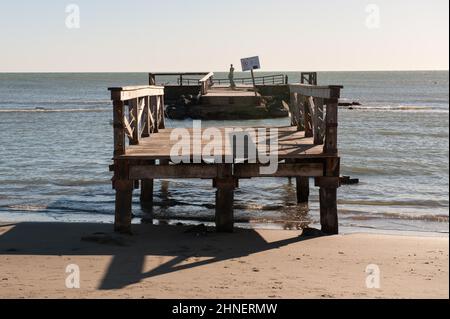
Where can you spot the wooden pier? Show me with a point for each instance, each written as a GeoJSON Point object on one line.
{"type": "Point", "coordinates": [306, 149]}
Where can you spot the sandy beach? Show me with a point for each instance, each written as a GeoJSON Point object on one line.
{"type": "Point", "coordinates": [168, 262]}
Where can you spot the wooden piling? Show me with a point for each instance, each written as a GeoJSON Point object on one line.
{"type": "Point", "coordinates": [302, 189]}
{"type": "Point", "coordinates": [147, 195]}
{"type": "Point", "coordinates": [124, 194]}
{"type": "Point", "coordinates": [225, 184]}
{"type": "Point", "coordinates": [328, 210]}
{"type": "Point", "coordinates": [224, 204]}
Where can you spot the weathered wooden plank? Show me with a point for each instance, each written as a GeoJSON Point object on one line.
{"type": "Point", "coordinates": [127, 126]}
{"type": "Point", "coordinates": [161, 122]}
{"type": "Point", "coordinates": [325, 92]}
{"type": "Point", "coordinates": [224, 216]}
{"type": "Point", "coordinates": [225, 184]}
{"type": "Point", "coordinates": [327, 182]}
{"type": "Point", "coordinates": [146, 124]}
{"type": "Point", "coordinates": [123, 215]}
{"type": "Point", "coordinates": [134, 114]}
{"type": "Point", "coordinates": [155, 112]}
{"type": "Point", "coordinates": [318, 120]}
{"type": "Point", "coordinates": [328, 210]}
{"type": "Point", "coordinates": [302, 185]}
{"type": "Point", "coordinates": [307, 111]}
{"type": "Point", "coordinates": [133, 92]}
{"type": "Point", "coordinates": [146, 197]}
{"type": "Point", "coordinates": [331, 120]}
{"type": "Point", "coordinates": [284, 170]}
{"type": "Point", "coordinates": [119, 130]}
{"type": "Point", "coordinates": [173, 171]}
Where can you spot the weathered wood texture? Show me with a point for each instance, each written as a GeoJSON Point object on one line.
{"type": "Point", "coordinates": [124, 193]}
{"type": "Point", "coordinates": [291, 143]}
{"type": "Point", "coordinates": [307, 148]}
{"type": "Point", "coordinates": [314, 110]}
{"type": "Point", "coordinates": [302, 189]}
{"type": "Point", "coordinates": [144, 114]}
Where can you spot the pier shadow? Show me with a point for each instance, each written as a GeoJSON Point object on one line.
{"type": "Point", "coordinates": [129, 253]}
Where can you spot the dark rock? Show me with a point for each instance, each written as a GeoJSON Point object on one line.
{"type": "Point", "coordinates": [176, 112]}
{"type": "Point", "coordinates": [347, 180]}
{"type": "Point", "coordinates": [349, 104]}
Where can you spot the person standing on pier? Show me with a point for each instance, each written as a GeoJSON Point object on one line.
{"type": "Point", "coordinates": [231, 77]}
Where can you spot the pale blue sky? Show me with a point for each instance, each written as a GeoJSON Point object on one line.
{"type": "Point", "coordinates": [200, 35]}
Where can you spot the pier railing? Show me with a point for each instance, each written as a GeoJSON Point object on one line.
{"type": "Point", "coordinates": [308, 78]}
{"type": "Point", "coordinates": [181, 78]}
{"type": "Point", "coordinates": [314, 109]}
{"type": "Point", "coordinates": [138, 111]}
{"type": "Point", "coordinates": [259, 80]}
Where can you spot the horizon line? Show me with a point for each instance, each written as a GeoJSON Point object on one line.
{"type": "Point", "coordinates": [256, 71]}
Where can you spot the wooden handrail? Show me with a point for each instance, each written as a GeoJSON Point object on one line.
{"type": "Point", "coordinates": [314, 109]}
{"type": "Point", "coordinates": [206, 82]}
{"type": "Point", "coordinates": [180, 75]}
{"type": "Point", "coordinates": [308, 78]}
{"type": "Point", "coordinates": [144, 116]}
{"type": "Point", "coordinates": [266, 79]}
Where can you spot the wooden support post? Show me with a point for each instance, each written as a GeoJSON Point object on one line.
{"type": "Point", "coordinates": [224, 204]}
{"type": "Point", "coordinates": [119, 131]}
{"type": "Point", "coordinates": [134, 114]}
{"type": "Point", "coordinates": [329, 184]}
{"type": "Point", "coordinates": [331, 123]}
{"type": "Point", "coordinates": [124, 194]}
{"type": "Point", "coordinates": [146, 122]}
{"type": "Point", "coordinates": [318, 121]}
{"type": "Point", "coordinates": [151, 79]}
{"type": "Point", "coordinates": [307, 116]}
{"type": "Point", "coordinates": [161, 112]}
{"type": "Point", "coordinates": [147, 195]}
{"type": "Point", "coordinates": [302, 189]}
{"type": "Point", "coordinates": [155, 112]}
{"type": "Point", "coordinates": [328, 210]}
{"type": "Point", "coordinates": [225, 184]}
{"type": "Point", "coordinates": [293, 109]}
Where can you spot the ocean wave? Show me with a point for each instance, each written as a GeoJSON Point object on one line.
{"type": "Point", "coordinates": [407, 108]}
{"type": "Point", "coordinates": [358, 215]}
{"type": "Point", "coordinates": [28, 208]}
{"type": "Point", "coordinates": [45, 110]}
{"type": "Point", "coordinates": [398, 203]}
{"type": "Point", "coordinates": [55, 102]}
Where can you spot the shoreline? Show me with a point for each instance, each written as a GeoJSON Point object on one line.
{"type": "Point", "coordinates": [343, 230]}
{"type": "Point", "coordinates": [168, 262]}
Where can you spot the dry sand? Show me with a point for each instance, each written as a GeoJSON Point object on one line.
{"type": "Point", "coordinates": [166, 262]}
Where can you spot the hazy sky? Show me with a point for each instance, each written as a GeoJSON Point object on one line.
{"type": "Point", "coordinates": [200, 35]}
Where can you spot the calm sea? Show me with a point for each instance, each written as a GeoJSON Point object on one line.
{"type": "Point", "coordinates": [56, 145]}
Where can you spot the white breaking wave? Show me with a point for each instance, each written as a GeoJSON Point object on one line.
{"type": "Point", "coordinates": [45, 110]}
{"type": "Point", "coordinates": [409, 108]}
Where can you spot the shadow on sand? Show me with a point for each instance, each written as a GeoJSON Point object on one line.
{"type": "Point", "coordinates": [129, 252]}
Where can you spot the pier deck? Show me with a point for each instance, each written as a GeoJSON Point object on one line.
{"type": "Point", "coordinates": [292, 144]}
{"type": "Point", "coordinates": [144, 150]}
